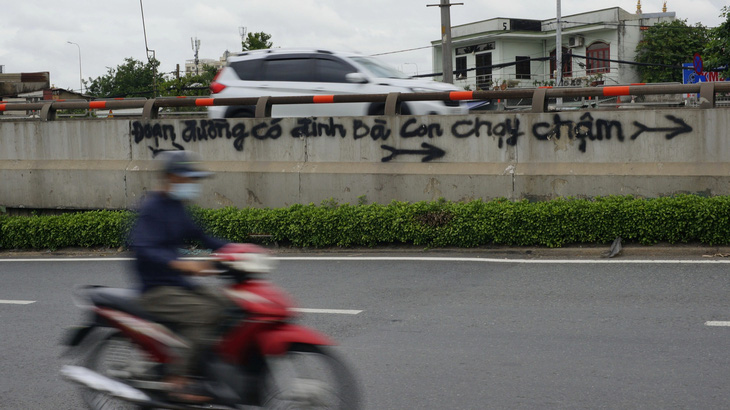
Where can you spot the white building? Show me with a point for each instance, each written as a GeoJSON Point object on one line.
{"type": "Point", "coordinates": [610, 34]}
{"type": "Point", "coordinates": [190, 67]}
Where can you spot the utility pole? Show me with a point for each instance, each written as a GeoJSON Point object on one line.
{"type": "Point", "coordinates": [446, 57]}
{"type": "Point", "coordinates": [196, 46]}
{"type": "Point", "coordinates": [558, 52]}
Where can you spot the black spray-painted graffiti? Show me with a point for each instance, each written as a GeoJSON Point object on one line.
{"type": "Point", "coordinates": [508, 128]}
{"type": "Point", "coordinates": [681, 128]}
{"type": "Point", "coordinates": [507, 132]}
{"type": "Point", "coordinates": [155, 132]}
{"type": "Point", "coordinates": [589, 129]}
{"type": "Point", "coordinates": [429, 152]}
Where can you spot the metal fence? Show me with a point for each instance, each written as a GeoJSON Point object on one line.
{"type": "Point", "coordinates": [150, 108]}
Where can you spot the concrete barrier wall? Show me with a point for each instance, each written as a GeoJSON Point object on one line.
{"type": "Point", "coordinates": [108, 164]}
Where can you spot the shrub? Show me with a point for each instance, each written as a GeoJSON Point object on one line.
{"type": "Point", "coordinates": [678, 219]}
{"type": "Point", "coordinates": [79, 229]}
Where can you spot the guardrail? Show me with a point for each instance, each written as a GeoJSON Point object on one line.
{"type": "Point", "coordinates": [392, 101]}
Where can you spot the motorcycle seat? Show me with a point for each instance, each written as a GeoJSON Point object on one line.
{"type": "Point", "coordinates": [122, 299]}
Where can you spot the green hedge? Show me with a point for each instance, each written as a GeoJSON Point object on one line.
{"type": "Point", "coordinates": [79, 229]}
{"type": "Point", "coordinates": [679, 219]}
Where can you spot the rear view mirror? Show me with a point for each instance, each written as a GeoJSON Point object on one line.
{"type": "Point", "coordinates": [357, 78]}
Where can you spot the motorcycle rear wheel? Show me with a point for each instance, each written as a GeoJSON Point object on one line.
{"type": "Point", "coordinates": [309, 377]}
{"type": "Point", "coordinates": [110, 354]}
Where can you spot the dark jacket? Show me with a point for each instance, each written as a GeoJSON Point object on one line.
{"type": "Point", "coordinates": [162, 228]}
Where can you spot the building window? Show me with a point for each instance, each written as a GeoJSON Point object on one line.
{"type": "Point", "coordinates": [484, 71]}
{"type": "Point", "coordinates": [460, 67]}
{"type": "Point", "coordinates": [522, 68]}
{"type": "Point", "coordinates": [460, 51]}
{"type": "Point", "coordinates": [600, 50]}
{"type": "Point", "coordinates": [567, 63]}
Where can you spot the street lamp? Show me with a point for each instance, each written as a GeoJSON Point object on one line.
{"type": "Point", "coordinates": [81, 81]}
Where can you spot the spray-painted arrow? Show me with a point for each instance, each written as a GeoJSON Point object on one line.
{"type": "Point", "coordinates": [430, 152]}
{"type": "Point", "coordinates": [682, 128]}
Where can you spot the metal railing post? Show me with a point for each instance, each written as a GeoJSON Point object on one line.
{"type": "Point", "coordinates": [48, 113]}
{"type": "Point", "coordinates": [150, 110]}
{"type": "Point", "coordinates": [707, 95]}
{"type": "Point", "coordinates": [539, 100]}
{"type": "Point", "coordinates": [263, 107]}
{"type": "Point", "coordinates": [392, 105]}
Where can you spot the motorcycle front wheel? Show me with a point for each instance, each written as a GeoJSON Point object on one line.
{"type": "Point", "coordinates": [109, 357]}
{"type": "Point", "coordinates": [309, 377]}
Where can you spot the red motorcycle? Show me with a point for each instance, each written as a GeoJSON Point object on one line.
{"type": "Point", "coordinates": [262, 358]}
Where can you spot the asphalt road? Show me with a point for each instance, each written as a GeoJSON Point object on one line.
{"type": "Point", "coordinates": [447, 334]}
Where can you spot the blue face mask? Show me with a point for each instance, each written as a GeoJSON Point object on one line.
{"type": "Point", "coordinates": [184, 191]}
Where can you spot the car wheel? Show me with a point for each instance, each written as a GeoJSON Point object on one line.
{"type": "Point", "coordinates": [379, 109]}
{"type": "Point", "coordinates": [241, 112]}
{"type": "Point", "coordinates": [405, 109]}
{"type": "Point", "coordinates": [376, 109]}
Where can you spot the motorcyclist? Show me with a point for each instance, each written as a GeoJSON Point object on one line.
{"type": "Point", "coordinates": [162, 228]}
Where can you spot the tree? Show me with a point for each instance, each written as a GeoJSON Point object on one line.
{"type": "Point", "coordinates": [131, 79]}
{"type": "Point", "coordinates": [669, 44]}
{"type": "Point", "coordinates": [716, 54]}
{"type": "Point", "coordinates": [135, 79]}
{"type": "Point", "coordinates": [256, 41]}
{"type": "Point", "coordinates": [189, 85]}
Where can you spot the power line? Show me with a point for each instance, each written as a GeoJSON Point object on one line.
{"type": "Point", "coordinates": [511, 63]}
{"type": "Point", "coordinates": [399, 51]}
{"type": "Point", "coordinates": [614, 23]}
{"type": "Point", "coordinates": [503, 34]}
{"type": "Point", "coordinates": [421, 48]}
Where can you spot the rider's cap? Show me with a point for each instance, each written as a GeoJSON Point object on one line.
{"type": "Point", "coordinates": [182, 163]}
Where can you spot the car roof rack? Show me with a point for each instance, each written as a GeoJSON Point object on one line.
{"type": "Point", "coordinates": [282, 50]}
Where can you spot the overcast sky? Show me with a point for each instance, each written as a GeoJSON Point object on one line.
{"type": "Point", "coordinates": [34, 33]}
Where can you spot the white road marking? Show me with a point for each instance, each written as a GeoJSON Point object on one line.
{"type": "Point", "coordinates": [331, 311]}
{"type": "Point", "coordinates": [494, 260]}
{"type": "Point", "coordinates": [16, 302]}
{"type": "Point", "coordinates": [424, 259]}
{"type": "Point", "coordinates": [717, 323]}
{"type": "Point", "coordinates": [68, 260]}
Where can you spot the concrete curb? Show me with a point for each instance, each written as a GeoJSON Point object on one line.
{"type": "Point", "coordinates": [630, 251]}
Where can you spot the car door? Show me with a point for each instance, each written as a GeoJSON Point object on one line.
{"type": "Point", "coordinates": [331, 79]}
{"type": "Point", "coordinates": [288, 75]}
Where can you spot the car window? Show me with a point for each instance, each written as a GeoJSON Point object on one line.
{"type": "Point", "coordinates": [377, 68]}
{"type": "Point", "coordinates": [247, 70]}
{"type": "Point", "coordinates": [289, 69]}
{"type": "Point", "coordinates": [332, 71]}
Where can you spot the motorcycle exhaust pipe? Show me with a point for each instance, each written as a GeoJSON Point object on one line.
{"type": "Point", "coordinates": [99, 382]}
{"type": "Point", "coordinates": [95, 381]}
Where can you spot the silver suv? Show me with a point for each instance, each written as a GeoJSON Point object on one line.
{"type": "Point", "coordinates": [283, 72]}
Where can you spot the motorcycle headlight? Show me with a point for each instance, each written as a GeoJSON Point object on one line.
{"type": "Point", "coordinates": [245, 257]}
{"type": "Point", "coordinates": [252, 263]}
